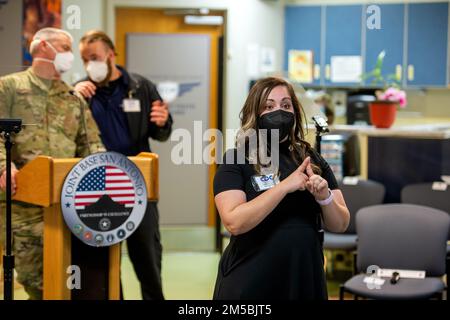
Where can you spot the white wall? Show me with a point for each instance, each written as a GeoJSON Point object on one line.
{"type": "Point", "coordinates": [91, 17]}
{"type": "Point", "coordinates": [248, 21]}
{"type": "Point", "coordinates": [332, 2]}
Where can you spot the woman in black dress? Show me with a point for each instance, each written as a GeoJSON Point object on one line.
{"type": "Point", "coordinates": [274, 210]}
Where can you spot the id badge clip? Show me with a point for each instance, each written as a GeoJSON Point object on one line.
{"type": "Point", "coordinates": [264, 182]}
{"type": "Point", "coordinates": [131, 105]}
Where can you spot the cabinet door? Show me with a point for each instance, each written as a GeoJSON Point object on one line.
{"type": "Point", "coordinates": [389, 37]}
{"type": "Point", "coordinates": [427, 44]}
{"type": "Point", "coordinates": [303, 32]}
{"type": "Point", "coordinates": [342, 36]}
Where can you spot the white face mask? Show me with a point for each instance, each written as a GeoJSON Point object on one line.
{"type": "Point", "coordinates": [97, 70]}
{"type": "Point", "coordinates": [63, 60]}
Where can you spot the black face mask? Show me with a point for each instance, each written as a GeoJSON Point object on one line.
{"type": "Point", "coordinates": [279, 119]}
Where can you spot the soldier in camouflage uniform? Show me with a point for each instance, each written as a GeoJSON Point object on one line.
{"type": "Point", "coordinates": [64, 128]}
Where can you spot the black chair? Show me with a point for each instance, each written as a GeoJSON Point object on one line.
{"type": "Point", "coordinates": [423, 194]}
{"type": "Point", "coordinates": [363, 194]}
{"type": "Point", "coordinates": [405, 237]}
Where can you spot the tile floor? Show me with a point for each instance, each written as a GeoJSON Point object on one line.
{"type": "Point", "coordinates": [189, 267]}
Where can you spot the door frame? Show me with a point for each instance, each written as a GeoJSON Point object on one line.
{"type": "Point", "coordinates": [217, 82]}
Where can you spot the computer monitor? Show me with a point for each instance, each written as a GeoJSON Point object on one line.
{"type": "Point", "coordinates": [358, 109]}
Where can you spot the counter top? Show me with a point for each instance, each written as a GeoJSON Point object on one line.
{"type": "Point", "coordinates": [427, 131]}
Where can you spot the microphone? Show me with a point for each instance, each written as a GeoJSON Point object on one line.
{"type": "Point", "coordinates": [321, 124]}
{"type": "Point", "coordinates": [395, 277]}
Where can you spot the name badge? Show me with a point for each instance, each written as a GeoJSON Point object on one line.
{"type": "Point", "coordinates": [411, 274]}
{"type": "Point", "coordinates": [264, 182]}
{"type": "Point", "coordinates": [131, 105]}
{"type": "Point", "coordinates": [439, 186]}
{"type": "Point", "coordinates": [350, 181]}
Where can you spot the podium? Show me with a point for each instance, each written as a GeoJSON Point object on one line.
{"type": "Point", "coordinates": [40, 183]}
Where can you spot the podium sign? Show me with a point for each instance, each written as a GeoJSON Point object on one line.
{"type": "Point", "coordinates": [103, 199]}
{"type": "Point", "coordinates": [40, 183]}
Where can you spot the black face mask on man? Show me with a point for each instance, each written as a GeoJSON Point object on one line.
{"type": "Point", "coordinates": [280, 120]}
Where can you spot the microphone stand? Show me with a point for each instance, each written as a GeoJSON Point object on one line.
{"type": "Point", "coordinates": [321, 128]}
{"type": "Point", "coordinates": [7, 127]}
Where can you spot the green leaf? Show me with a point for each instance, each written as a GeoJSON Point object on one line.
{"type": "Point", "coordinates": [376, 75]}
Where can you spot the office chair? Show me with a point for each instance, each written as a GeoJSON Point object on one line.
{"type": "Point", "coordinates": [365, 193]}
{"type": "Point", "coordinates": [400, 236]}
{"type": "Point", "coordinates": [423, 194]}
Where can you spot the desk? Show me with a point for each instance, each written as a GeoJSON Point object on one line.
{"type": "Point", "coordinates": [402, 155]}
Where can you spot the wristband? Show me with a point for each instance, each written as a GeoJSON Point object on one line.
{"type": "Point", "coordinates": [327, 201]}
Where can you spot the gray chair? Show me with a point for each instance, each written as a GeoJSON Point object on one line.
{"type": "Point", "coordinates": [365, 193]}
{"type": "Point", "coordinates": [423, 194]}
{"type": "Point", "coordinates": [400, 236]}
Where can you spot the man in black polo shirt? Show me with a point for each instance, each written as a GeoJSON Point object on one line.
{"type": "Point", "coordinates": [128, 111]}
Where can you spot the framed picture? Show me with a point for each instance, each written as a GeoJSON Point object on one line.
{"type": "Point", "coordinates": [38, 14]}
{"type": "Point", "coordinates": [300, 67]}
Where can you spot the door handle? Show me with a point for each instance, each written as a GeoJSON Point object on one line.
{"type": "Point", "coordinates": [410, 72]}
{"type": "Point", "coordinates": [316, 71]}
{"type": "Point", "coordinates": [398, 72]}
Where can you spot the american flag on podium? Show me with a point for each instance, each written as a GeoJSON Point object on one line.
{"type": "Point", "coordinates": [105, 180]}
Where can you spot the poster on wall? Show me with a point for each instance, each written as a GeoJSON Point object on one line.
{"type": "Point", "coordinates": [38, 14]}
{"type": "Point", "coordinates": [268, 58]}
{"type": "Point", "coordinates": [346, 69]}
{"type": "Point", "coordinates": [300, 66]}
{"type": "Point", "coordinates": [253, 56]}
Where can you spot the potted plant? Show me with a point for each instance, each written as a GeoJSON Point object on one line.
{"type": "Point", "coordinates": [384, 109]}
